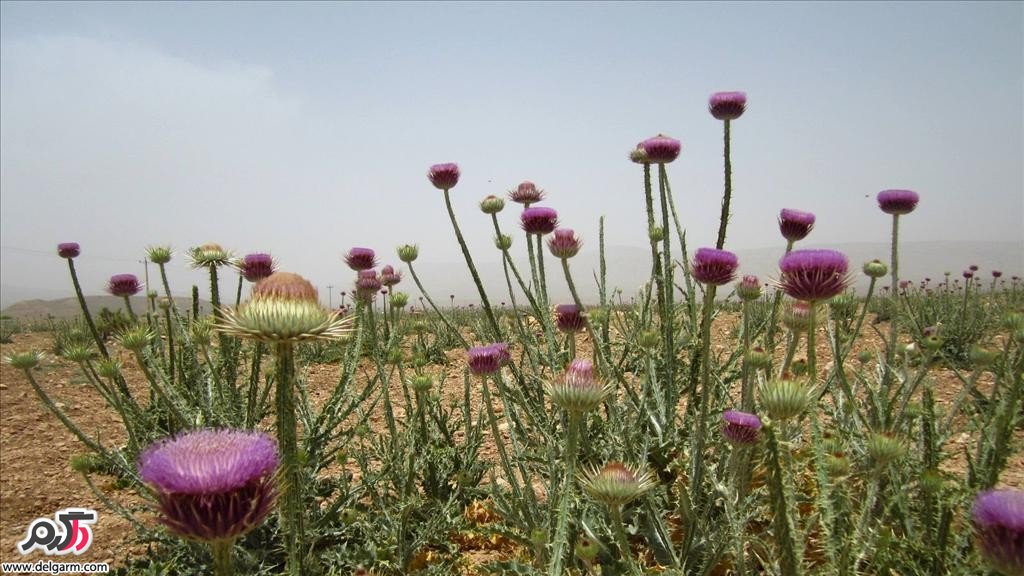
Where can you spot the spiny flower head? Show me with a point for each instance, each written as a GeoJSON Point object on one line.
{"type": "Point", "coordinates": [124, 285]}
{"type": "Point", "coordinates": [795, 224]}
{"type": "Point", "coordinates": [256, 267]}
{"type": "Point", "coordinates": [485, 360]}
{"type": "Point", "coordinates": [797, 316]}
{"type": "Point", "coordinates": [209, 254]}
{"type": "Point", "coordinates": [389, 277]}
{"type": "Point", "coordinates": [526, 193]}
{"type": "Point", "coordinates": [661, 149]}
{"type": "Point", "coordinates": [539, 220]}
{"type": "Point", "coordinates": [444, 176]}
{"type": "Point", "coordinates": [814, 275]}
{"type": "Point", "coordinates": [741, 428]}
{"type": "Point", "coordinates": [884, 448]}
{"type": "Point", "coordinates": [361, 258]}
{"type": "Point", "coordinates": [564, 243]}
{"type": "Point", "coordinates": [367, 286]}
{"type": "Point", "coordinates": [284, 307]}
{"type": "Point", "coordinates": [968, 274]}
{"type": "Point", "coordinates": [875, 269]}
{"type": "Point", "coordinates": [24, 360]}
{"type": "Point", "coordinates": [616, 484]}
{"type": "Point", "coordinates": [897, 202]}
{"type": "Point", "coordinates": [492, 205]}
{"type": "Point", "coordinates": [998, 519]}
{"type": "Point", "coordinates": [408, 252]}
{"type": "Point", "coordinates": [159, 254]}
{"type": "Point", "coordinates": [68, 250]}
{"type": "Point", "coordinates": [784, 399]}
{"type": "Point", "coordinates": [727, 105]}
{"type": "Point", "coordinates": [749, 288]}
{"type": "Point", "coordinates": [714, 267]}
{"type": "Point", "coordinates": [212, 484]}
{"type": "Point", "coordinates": [578, 391]}
{"type": "Point", "coordinates": [569, 318]}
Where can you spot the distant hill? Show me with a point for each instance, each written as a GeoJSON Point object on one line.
{"type": "Point", "coordinates": [64, 308]}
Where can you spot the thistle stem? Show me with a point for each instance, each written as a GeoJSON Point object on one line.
{"type": "Point", "coordinates": [747, 390]}
{"type": "Point", "coordinates": [705, 396]}
{"type": "Point", "coordinates": [812, 354]}
{"type": "Point", "coordinates": [472, 269]}
{"type": "Point", "coordinates": [541, 273]}
{"type": "Point", "coordinates": [85, 310]}
{"type": "Point", "coordinates": [223, 557]}
{"type": "Point", "coordinates": [569, 480]}
{"type": "Point", "coordinates": [128, 306]}
{"type": "Point", "coordinates": [619, 527]}
{"type": "Point", "coordinates": [291, 486]}
{"type": "Point", "coordinates": [668, 316]}
{"type": "Point", "coordinates": [430, 301]}
{"type": "Point", "coordinates": [723, 220]}
{"type": "Point", "coordinates": [890, 355]}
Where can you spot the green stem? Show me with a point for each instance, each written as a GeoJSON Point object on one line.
{"type": "Point", "coordinates": [541, 272]}
{"type": "Point", "coordinates": [668, 316]}
{"type": "Point", "coordinates": [890, 355]}
{"type": "Point", "coordinates": [789, 561]}
{"type": "Point", "coordinates": [85, 310]}
{"type": "Point", "coordinates": [128, 306]}
{"type": "Point", "coordinates": [619, 527]}
{"type": "Point", "coordinates": [812, 353]}
{"type": "Point", "coordinates": [238, 293]}
{"type": "Point", "coordinates": [291, 499]}
{"type": "Point", "coordinates": [705, 398]}
{"type": "Point", "coordinates": [773, 319]}
{"type": "Point", "coordinates": [430, 300]}
{"type": "Point", "coordinates": [569, 480]}
{"type": "Point", "coordinates": [223, 557]}
{"type": "Point", "coordinates": [655, 259]}
{"type": "Point", "coordinates": [723, 220]}
{"type": "Point", "coordinates": [472, 270]}
{"type": "Point", "coordinates": [747, 390]}
{"type": "Point", "coordinates": [170, 345]}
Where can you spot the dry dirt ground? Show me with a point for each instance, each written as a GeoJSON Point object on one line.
{"type": "Point", "coordinates": [36, 480]}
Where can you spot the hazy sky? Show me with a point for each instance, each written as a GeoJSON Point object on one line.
{"type": "Point", "coordinates": [304, 130]}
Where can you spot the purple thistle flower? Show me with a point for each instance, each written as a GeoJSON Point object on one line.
{"type": "Point", "coordinates": [367, 285]}
{"type": "Point", "coordinates": [968, 274]}
{"type": "Point", "coordinates": [741, 428]}
{"type": "Point", "coordinates": [504, 356]}
{"type": "Point", "coordinates": [485, 360]}
{"type": "Point", "coordinates": [714, 267]}
{"type": "Point", "coordinates": [124, 285]}
{"type": "Point", "coordinates": [794, 224]}
{"type": "Point", "coordinates": [749, 288]}
{"type": "Point", "coordinates": [564, 243]}
{"type": "Point", "coordinates": [661, 149]}
{"type": "Point", "coordinates": [569, 318]}
{"type": "Point", "coordinates": [68, 250]}
{"type": "Point", "coordinates": [389, 277]}
{"type": "Point", "coordinates": [361, 259]}
{"type": "Point", "coordinates": [212, 484]}
{"type": "Point", "coordinates": [526, 193]}
{"type": "Point", "coordinates": [997, 273]}
{"type": "Point", "coordinates": [256, 267]}
{"type": "Point", "coordinates": [998, 518]}
{"type": "Point", "coordinates": [897, 202]}
{"type": "Point", "coordinates": [727, 105]}
{"type": "Point", "coordinates": [973, 267]}
{"type": "Point", "coordinates": [444, 176]}
{"type": "Point", "coordinates": [539, 220]}
{"type": "Point", "coordinates": [814, 275]}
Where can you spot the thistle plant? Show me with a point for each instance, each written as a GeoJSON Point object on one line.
{"type": "Point", "coordinates": [726, 106]}
{"type": "Point", "coordinates": [213, 486]}
{"type": "Point", "coordinates": [895, 203]}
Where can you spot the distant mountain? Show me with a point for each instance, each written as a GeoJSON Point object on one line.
{"type": "Point", "coordinates": [68, 307]}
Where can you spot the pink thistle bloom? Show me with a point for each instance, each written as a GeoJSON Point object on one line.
{"type": "Point", "coordinates": [389, 277]}
{"type": "Point", "coordinates": [569, 318]}
{"type": "Point", "coordinates": [539, 220]}
{"type": "Point", "coordinates": [361, 259]}
{"type": "Point", "coordinates": [996, 274]}
{"type": "Point", "coordinates": [212, 485]}
{"type": "Point", "coordinates": [485, 360]}
{"type": "Point", "coordinates": [564, 243]}
{"type": "Point", "coordinates": [444, 176]}
{"type": "Point", "coordinates": [68, 250]}
{"type": "Point", "coordinates": [794, 224]}
{"type": "Point", "coordinates": [714, 267]}
{"type": "Point", "coordinates": [256, 267]}
{"type": "Point", "coordinates": [124, 285]}
{"type": "Point", "coordinates": [727, 105]}
{"type": "Point", "coordinates": [661, 149]}
{"type": "Point", "coordinates": [741, 428]}
{"type": "Point", "coordinates": [897, 202]}
{"type": "Point", "coordinates": [998, 518]}
{"type": "Point", "coordinates": [814, 275]}
{"type": "Point", "coordinates": [968, 274]}
{"type": "Point", "coordinates": [749, 288]}
{"type": "Point", "coordinates": [526, 193]}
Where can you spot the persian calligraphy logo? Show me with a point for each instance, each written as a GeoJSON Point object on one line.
{"type": "Point", "coordinates": [69, 532]}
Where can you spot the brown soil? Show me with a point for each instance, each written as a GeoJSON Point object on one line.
{"type": "Point", "coordinates": [36, 480]}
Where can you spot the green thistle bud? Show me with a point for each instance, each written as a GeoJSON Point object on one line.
{"type": "Point", "coordinates": [982, 358]}
{"type": "Point", "coordinates": [209, 255]}
{"type": "Point", "coordinates": [87, 463]}
{"type": "Point", "coordinates": [399, 299]}
{"type": "Point", "coordinates": [875, 269]}
{"type": "Point", "coordinates": [616, 484]}
{"type": "Point", "coordinates": [109, 369]}
{"type": "Point", "coordinates": [587, 550]}
{"type": "Point", "coordinates": [784, 399]}
{"type": "Point", "coordinates": [864, 356]}
{"type": "Point", "coordinates": [837, 466]}
{"type": "Point", "coordinates": [758, 359]}
{"type": "Point", "coordinates": [931, 343]}
{"type": "Point", "coordinates": [492, 205]}
{"type": "Point", "coordinates": [797, 317]}
{"type": "Point", "coordinates": [408, 252]}
{"type": "Point", "coordinates": [884, 449]}
{"type": "Point", "coordinates": [419, 360]}
{"type": "Point", "coordinates": [164, 303]}
{"type": "Point", "coordinates": [503, 242]}
{"type": "Point", "coordinates": [349, 516]}
{"type": "Point", "coordinates": [394, 356]}
{"type": "Point", "coordinates": [202, 331]}
{"type": "Point", "coordinates": [422, 383]}
{"type": "Point", "coordinates": [656, 233]}
{"type": "Point", "coordinates": [24, 360]}
{"type": "Point", "coordinates": [78, 353]}
{"type": "Point", "coordinates": [578, 391]}
{"type": "Point", "coordinates": [649, 340]}
{"type": "Point", "coordinates": [284, 308]}
{"type": "Point", "coordinates": [159, 254]}
{"type": "Point", "coordinates": [135, 338]}
{"type": "Point", "coordinates": [151, 294]}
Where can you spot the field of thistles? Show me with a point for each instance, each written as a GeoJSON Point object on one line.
{"type": "Point", "coordinates": [714, 423]}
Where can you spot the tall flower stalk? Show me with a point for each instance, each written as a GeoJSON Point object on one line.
{"type": "Point", "coordinates": [726, 106]}
{"type": "Point", "coordinates": [895, 203]}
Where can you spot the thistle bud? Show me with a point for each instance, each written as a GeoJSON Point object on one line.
{"type": "Point", "coordinates": [492, 205]}
{"type": "Point", "coordinates": [109, 369]}
{"type": "Point", "coordinates": [616, 484]}
{"type": "Point", "coordinates": [408, 252]}
{"type": "Point", "coordinates": [587, 550]}
{"type": "Point", "coordinates": [784, 399]}
{"type": "Point", "coordinates": [982, 358]}
{"type": "Point", "coordinates": [24, 360]}
{"type": "Point", "coordinates": [656, 233]}
{"type": "Point", "coordinates": [164, 303]}
{"type": "Point", "coordinates": [159, 254]}
{"type": "Point", "coordinates": [503, 242]}
{"type": "Point", "coordinates": [758, 359]}
{"type": "Point", "coordinates": [749, 288]}
{"type": "Point", "coordinates": [422, 383]}
{"type": "Point", "coordinates": [883, 449]}
{"type": "Point", "coordinates": [875, 269]}
{"type": "Point", "coordinates": [864, 356]}
{"type": "Point", "coordinates": [399, 299]}
{"type": "Point", "coordinates": [135, 339]}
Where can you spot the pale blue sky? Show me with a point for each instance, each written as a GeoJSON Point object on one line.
{"type": "Point", "coordinates": [304, 130]}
